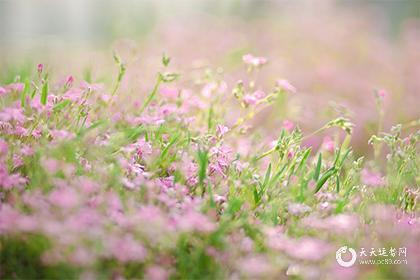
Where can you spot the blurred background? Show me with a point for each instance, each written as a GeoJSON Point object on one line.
{"type": "Point", "coordinates": [337, 53]}
{"type": "Point", "coordinates": [24, 22]}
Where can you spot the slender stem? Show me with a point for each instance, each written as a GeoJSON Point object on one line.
{"type": "Point", "coordinates": [151, 95]}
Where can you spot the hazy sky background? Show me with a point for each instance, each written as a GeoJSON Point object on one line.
{"type": "Point", "coordinates": [27, 23]}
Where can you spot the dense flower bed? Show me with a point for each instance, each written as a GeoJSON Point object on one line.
{"type": "Point", "coordinates": [180, 183]}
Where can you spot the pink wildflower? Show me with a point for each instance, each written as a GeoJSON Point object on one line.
{"type": "Point", "coordinates": [221, 130]}
{"type": "Point", "coordinates": [307, 248]}
{"type": "Point", "coordinates": [328, 144]}
{"type": "Point", "coordinates": [286, 86]}
{"type": "Point", "coordinates": [69, 81]}
{"type": "Point", "coordinates": [259, 94]}
{"type": "Point", "coordinates": [169, 92]}
{"type": "Point", "coordinates": [4, 147]}
{"type": "Point", "coordinates": [250, 99]}
{"type": "Point", "coordinates": [156, 273]}
{"type": "Point", "coordinates": [298, 209]}
{"type": "Point", "coordinates": [2, 91]}
{"type": "Point", "coordinates": [40, 68]}
{"type": "Point", "coordinates": [64, 197]}
{"type": "Point", "coordinates": [126, 249]}
{"type": "Point", "coordinates": [255, 61]}
{"type": "Point", "coordinates": [288, 125]}
{"type": "Point", "coordinates": [254, 266]}
{"type": "Point", "coordinates": [382, 93]}
{"type": "Point", "coordinates": [371, 178]}
{"type": "Point", "coordinates": [194, 221]}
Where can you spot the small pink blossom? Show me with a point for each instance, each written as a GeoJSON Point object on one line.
{"type": "Point", "coordinates": [250, 99]}
{"type": "Point", "coordinates": [194, 221]}
{"type": "Point", "coordinates": [12, 114]}
{"type": "Point", "coordinates": [286, 86]}
{"type": "Point", "coordinates": [64, 197]}
{"type": "Point", "coordinates": [2, 91]}
{"type": "Point", "coordinates": [40, 68]}
{"type": "Point", "coordinates": [259, 94]}
{"type": "Point", "coordinates": [255, 61]}
{"type": "Point", "coordinates": [4, 147]}
{"type": "Point", "coordinates": [382, 93]}
{"type": "Point", "coordinates": [17, 161]}
{"type": "Point", "coordinates": [221, 130]}
{"type": "Point", "coordinates": [288, 125]}
{"type": "Point", "coordinates": [372, 178]}
{"type": "Point", "coordinates": [69, 81]}
{"type": "Point", "coordinates": [255, 267]}
{"type": "Point", "coordinates": [328, 144]}
{"type": "Point", "coordinates": [156, 273]}
{"type": "Point", "coordinates": [169, 92]}
{"type": "Point", "coordinates": [27, 150]}
{"type": "Point", "coordinates": [298, 209]}
{"type": "Point", "coordinates": [126, 249]}
{"type": "Point", "coordinates": [308, 248]}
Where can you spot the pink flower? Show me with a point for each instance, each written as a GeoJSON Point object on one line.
{"type": "Point", "coordinates": [342, 223]}
{"type": "Point", "coordinates": [254, 266]}
{"type": "Point", "coordinates": [69, 81]}
{"type": "Point", "coordinates": [17, 161]}
{"type": "Point", "coordinates": [221, 130]}
{"type": "Point", "coordinates": [169, 92]}
{"type": "Point", "coordinates": [12, 114]}
{"type": "Point", "coordinates": [64, 197]}
{"type": "Point", "coordinates": [250, 99]}
{"type": "Point", "coordinates": [255, 61]}
{"type": "Point", "coordinates": [307, 248]}
{"type": "Point", "coordinates": [51, 165]}
{"type": "Point", "coordinates": [2, 91]}
{"type": "Point", "coordinates": [156, 273]}
{"type": "Point", "coordinates": [288, 125]}
{"type": "Point", "coordinates": [4, 147]}
{"type": "Point", "coordinates": [8, 181]}
{"type": "Point", "coordinates": [40, 68]}
{"type": "Point", "coordinates": [27, 150]}
{"type": "Point", "coordinates": [328, 144]}
{"type": "Point", "coordinates": [286, 86]}
{"type": "Point", "coordinates": [371, 178]}
{"type": "Point", "coordinates": [382, 93]}
{"type": "Point", "coordinates": [92, 87]}
{"type": "Point", "coordinates": [126, 249]}
{"type": "Point", "coordinates": [168, 109]}
{"type": "Point", "coordinates": [194, 221]}
{"type": "Point", "coordinates": [298, 209]}
{"type": "Point", "coordinates": [259, 94]}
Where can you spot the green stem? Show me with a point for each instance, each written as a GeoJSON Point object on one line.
{"type": "Point", "coordinates": [151, 95]}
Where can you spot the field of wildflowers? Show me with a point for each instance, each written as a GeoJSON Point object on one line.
{"type": "Point", "coordinates": [247, 159]}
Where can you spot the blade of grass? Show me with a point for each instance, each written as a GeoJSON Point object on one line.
{"type": "Point", "coordinates": [318, 167]}
{"type": "Point", "coordinates": [44, 93]}
{"type": "Point", "coordinates": [330, 172]}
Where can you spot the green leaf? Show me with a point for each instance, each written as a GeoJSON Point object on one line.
{"type": "Point", "coordinates": [170, 144]}
{"type": "Point", "coordinates": [61, 105]}
{"type": "Point", "coordinates": [24, 93]}
{"type": "Point", "coordinates": [44, 93]}
{"type": "Point", "coordinates": [202, 164]}
{"type": "Point", "coordinates": [318, 167]}
{"type": "Point", "coordinates": [276, 177]}
{"type": "Point", "coordinates": [330, 172]}
{"type": "Point", "coordinates": [338, 184]}
{"type": "Point", "coordinates": [304, 158]}
{"type": "Point", "coordinates": [267, 176]}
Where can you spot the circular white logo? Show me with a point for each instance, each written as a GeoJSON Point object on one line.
{"type": "Point", "coordinates": [343, 250]}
